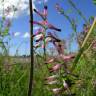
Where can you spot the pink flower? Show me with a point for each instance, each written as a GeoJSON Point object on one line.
{"type": "Point", "coordinates": [68, 57]}
{"type": "Point", "coordinates": [40, 30]}
{"type": "Point", "coordinates": [42, 14]}
{"type": "Point", "coordinates": [51, 82]}
{"type": "Point", "coordinates": [41, 23]}
{"type": "Point", "coordinates": [45, 23]}
{"type": "Point", "coordinates": [39, 37]}
{"type": "Point", "coordinates": [50, 26]}
{"type": "Point", "coordinates": [55, 68]}
{"type": "Point", "coordinates": [56, 90]}
{"type": "Point", "coordinates": [51, 78]}
{"type": "Point", "coordinates": [50, 61]}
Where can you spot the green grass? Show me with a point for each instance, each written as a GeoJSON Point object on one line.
{"type": "Point", "coordinates": [15, 81]}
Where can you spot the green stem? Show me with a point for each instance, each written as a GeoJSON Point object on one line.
{"type": "Point", "coordinates": [83, 46]}
{"type": "Point", "coordinates": [79, 12]}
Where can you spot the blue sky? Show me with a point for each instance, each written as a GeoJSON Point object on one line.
{"type": "Point", "coordinates": [21, 23]}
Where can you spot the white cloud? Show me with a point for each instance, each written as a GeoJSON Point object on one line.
{"type": "Point", "coordinates": [7, 7]}
{"type": "Point", "coordinates": [22, 6]}
{"type": "Point", "coordinates": [16, 34]}
{"type": "Point", "coordinates": [41, 1]}
{"type": "Point", "coordinates": [26, 35]}
{"type": "Point", "coordinates": [33, 4]}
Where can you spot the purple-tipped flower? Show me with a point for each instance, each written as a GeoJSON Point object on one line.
{"type": "Point", "coordinates": [42, 14]}
{"type": "Point", "coordinates": [55, 68]}
{"type": "Point", "coordinates": [50, 26]}
{"type": "Point", "coordinates": [39, 31]}
{"type": "Point", "coordinates": [39, 37]}
{"type": "Point", "coordinates": [45, 12]}
{"type": "Point", "coordinates": [45, 22]}
{"type": "Point", "coordinates": [41, 23]}
{"type": "Point", "coordinates": [47, 25]}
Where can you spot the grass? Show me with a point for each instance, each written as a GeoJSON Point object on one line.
{"type": "Point", "coordinates": [14, 78]}
{"type": "Point", "coordinates": [14, 71]}
{"type": "Point", "coordinates": [14, 82]}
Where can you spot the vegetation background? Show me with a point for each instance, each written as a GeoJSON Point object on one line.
{"type": "Point", "coordinates": [14, 70]}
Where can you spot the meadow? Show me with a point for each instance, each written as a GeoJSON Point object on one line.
{"type": "Point", "coordinates": [57, 70]}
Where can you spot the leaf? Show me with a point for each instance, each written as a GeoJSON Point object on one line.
{"type": "Point", "coordinates": [86, 44]}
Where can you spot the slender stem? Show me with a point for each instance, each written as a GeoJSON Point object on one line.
{"type": "Point", "coordinates": [31, 50]}
{"type": "Point", "coordinates": [79, 12]}
{"type": "Point", "coordinates": [44, 46]}
{"type": "Point", "coordinates": [45, 56]}
{"type": "Point", "coordinates": [83, 46]}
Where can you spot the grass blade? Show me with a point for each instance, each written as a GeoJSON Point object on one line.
{"type": "Point", "coordinates": [84, 46]}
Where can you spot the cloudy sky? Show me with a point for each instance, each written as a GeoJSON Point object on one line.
{"type": "Point", "coordinates": [20, 19]}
